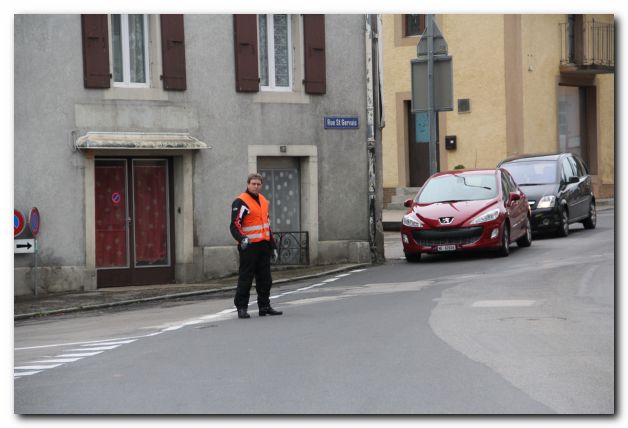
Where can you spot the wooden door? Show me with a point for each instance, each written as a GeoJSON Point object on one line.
{"type": "Point", "coordinates": [134, 221]}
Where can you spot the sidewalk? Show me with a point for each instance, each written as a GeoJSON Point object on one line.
{"type": "Point", "coordinates": [391, 219]}
{"type": "Point", "coordinates": [25, 307]}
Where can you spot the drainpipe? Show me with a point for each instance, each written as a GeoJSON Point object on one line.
{"type": "Point", "coordinates": [373, 111]}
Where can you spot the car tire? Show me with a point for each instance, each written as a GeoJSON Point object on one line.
{"type": "Point", "coordinates": [526, 239]}
{"type": "Point", "coordinates": [590, 222]}
{"type": "Point", "coordinates": [563, 228]}
{"type": "Point", "coordinates": [504, 249]}
{"type": "Point", "coordinates": [413, 257]}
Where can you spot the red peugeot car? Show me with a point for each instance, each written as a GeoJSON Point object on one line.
{"type": "Point", "coordinates": [464, 210]}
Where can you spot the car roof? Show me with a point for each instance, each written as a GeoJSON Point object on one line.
{"type": "Point", "coordinates": [536, 156]}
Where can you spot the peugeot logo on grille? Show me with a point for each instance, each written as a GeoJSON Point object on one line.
{"type": "Point", "coordinates": [446, 220]}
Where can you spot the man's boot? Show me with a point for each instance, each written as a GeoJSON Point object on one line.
{"type": "Point", "coordinates": [267, 310]}
{"type": "Point", "coordinates": [242, 313]}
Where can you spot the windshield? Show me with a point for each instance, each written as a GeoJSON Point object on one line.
{"type": "Point", "coordinates": [532, 172]}
{"type": "Point", "coordinates": [458, 187]}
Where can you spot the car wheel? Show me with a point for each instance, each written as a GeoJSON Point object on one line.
{"type": "Point", "coordinates": [526, 239]}
{"type": "Point", "coordinates": [589, 222]}
{"type": "Point", "coordinates": [504, 250]}
{"type": "Point", "coordinates": [563, 228]}
{"type": "Point", "coordinates": [413, 257]}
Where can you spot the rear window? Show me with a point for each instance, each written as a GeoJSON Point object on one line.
{"type": "Point", "coordinates": [532, 172]}
{"type": "Point", "coordinates": [455, 187]}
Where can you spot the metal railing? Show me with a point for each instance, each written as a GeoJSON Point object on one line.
{"type": "Point", "coordinates": [293, 248]}
{"type": "Point", "coordinates": [597, 48]}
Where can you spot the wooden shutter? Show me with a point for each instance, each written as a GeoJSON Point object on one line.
{"type": "Point", "coordinates": [314, 41]}
{"type": "Point", "coordinates": [95, 32]}
{"type": "Point", "coordinates": [173, 52]}
{"type": "Point", "coordinates": [245, 42]}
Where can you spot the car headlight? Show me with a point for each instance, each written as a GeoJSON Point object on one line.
{"type": "Point", "coordinates": [547, 201]}
{"type": "Point", "coordinates": [411, 220]}
{"type": "Point", "coordinates": [486, 216]}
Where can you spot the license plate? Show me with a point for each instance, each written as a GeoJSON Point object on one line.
{"type": "Point", "coordinates": [446, 248]}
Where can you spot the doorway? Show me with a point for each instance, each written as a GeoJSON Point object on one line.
{"type": "Point", "coordinates": [419, 153]}
{"type": "Point", "coordinates": [134, 221]}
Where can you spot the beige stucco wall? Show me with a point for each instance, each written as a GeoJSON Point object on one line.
{"type": "Point", "coordinates": [541, 59]}
{"type": "Point", "coordinates": [476, 43]}
{"type": "Point", "coordinates": [488, 72]}
{"type": "Point", "coordinates": [397, 58]}
{"type": "Point", "coordinates": [606, 128]}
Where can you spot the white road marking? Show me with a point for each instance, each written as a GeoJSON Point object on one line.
{"type": "Point", "coordinates": [331, 279]}
{"type": "Point", "coordinates": [98, 348]}
{"type": "Point", "coordinates": [502, 303]}
{"type": "Point", "coordinates": [49, 366]}
{"type": "Point", "coordinates": [85, 354]}
{"type": "Point", "coordinates": [119, 340]}
{"type": "Point", "coordinates": [26, 373]}
{"type": "Point", "coordinates": [357, 270]}
{"type": "Point", "coordinates": [57, 360]}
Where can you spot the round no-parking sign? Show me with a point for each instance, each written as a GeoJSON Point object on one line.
{"type": "Point", "coordinates": [34, 221]}
{"type": "Point", "coordinates": [116, 198]}
{"type": "Point", "coordinates": [18, 223]}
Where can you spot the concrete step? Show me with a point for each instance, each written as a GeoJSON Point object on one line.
{"type": "Point", "coordinates": [391, 219]}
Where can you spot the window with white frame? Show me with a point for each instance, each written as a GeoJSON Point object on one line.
{"type": "Point", "coordinates": [275, 52]}
{"type": "Point", "coordinates": [129, 37]}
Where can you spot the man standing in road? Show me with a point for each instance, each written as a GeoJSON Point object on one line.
{"type": "Point", "coordinates": [250, 226]}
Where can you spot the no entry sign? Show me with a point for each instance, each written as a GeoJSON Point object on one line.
{"type": "Point", "coordinates": [18, 223]}
{"type": "Point", "coordinates": [34, 221]}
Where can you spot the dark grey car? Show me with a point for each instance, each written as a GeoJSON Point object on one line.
{"type": "Point", "coordinates": [559, 190]}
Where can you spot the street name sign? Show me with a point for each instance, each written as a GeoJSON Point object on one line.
{"type": "Point", "coordinates": [23, 246]}
{"type": "Point", "coordinates": [341, 122]}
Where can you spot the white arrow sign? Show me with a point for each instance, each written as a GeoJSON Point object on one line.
{"type": "Point", "coordinates": [21, 246]}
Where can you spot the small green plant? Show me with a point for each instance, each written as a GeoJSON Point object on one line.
{"type": "Point", "coordinates": [459, 166]}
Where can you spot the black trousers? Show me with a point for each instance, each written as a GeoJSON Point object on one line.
{"type": "Point", "coordinates": [254, 263]}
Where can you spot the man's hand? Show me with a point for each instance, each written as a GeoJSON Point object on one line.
{"type": "Point", "coordinates": [275, 256]}
{"type": "Point", "coordinates": [244, 243]}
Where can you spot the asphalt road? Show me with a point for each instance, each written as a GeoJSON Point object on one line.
{"type": "Point", "coordinates": [532, 333]}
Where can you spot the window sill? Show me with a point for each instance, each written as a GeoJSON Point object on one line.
{"type": "Point", "coordinates": [151, 94]}
{"type": "Point", "coordinates": [281, 97]}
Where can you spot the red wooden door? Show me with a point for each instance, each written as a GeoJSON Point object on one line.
{"type": "Point", "coordinates": [134, 217]}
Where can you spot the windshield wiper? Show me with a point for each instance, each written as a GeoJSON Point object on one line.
{"type": "Point", "coordinates": [464, 179]}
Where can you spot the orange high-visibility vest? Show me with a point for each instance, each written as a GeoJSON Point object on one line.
{"type": "Point", "coordinates": [256, 225]}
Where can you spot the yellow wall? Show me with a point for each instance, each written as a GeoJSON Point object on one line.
{"type": "Point", "coordinates": [485, 70]}
{"type": "Point", "coordinates": [396, 87]}
{"type": "Point", "coordinates": [541, 59]}
{"type": "Point", "coordinates": [606, 129]}
{"type": "Point", "coordinates": [476, 43]}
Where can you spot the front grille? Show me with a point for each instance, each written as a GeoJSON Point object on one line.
{"type": "Point", "coordinates": [465, 235]}
{"type": "Point", "coordinates": [532, 204]}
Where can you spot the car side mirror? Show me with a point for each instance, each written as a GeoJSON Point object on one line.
{"type": "Point", "coordinates": [514, 196]}
{"type": "Point", "coordinates": [408, 203]}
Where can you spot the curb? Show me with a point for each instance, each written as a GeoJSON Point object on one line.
{"type": "Point", "coordinates": [175, 295]}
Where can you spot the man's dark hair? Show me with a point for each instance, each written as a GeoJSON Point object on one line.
{"type": "Point", "coordinates": [252, 176]}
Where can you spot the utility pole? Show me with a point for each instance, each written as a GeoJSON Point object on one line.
{"type": "Point", "coordinates": [374, 150]}
{"type": "Point", "coordinates": [430, 92]}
